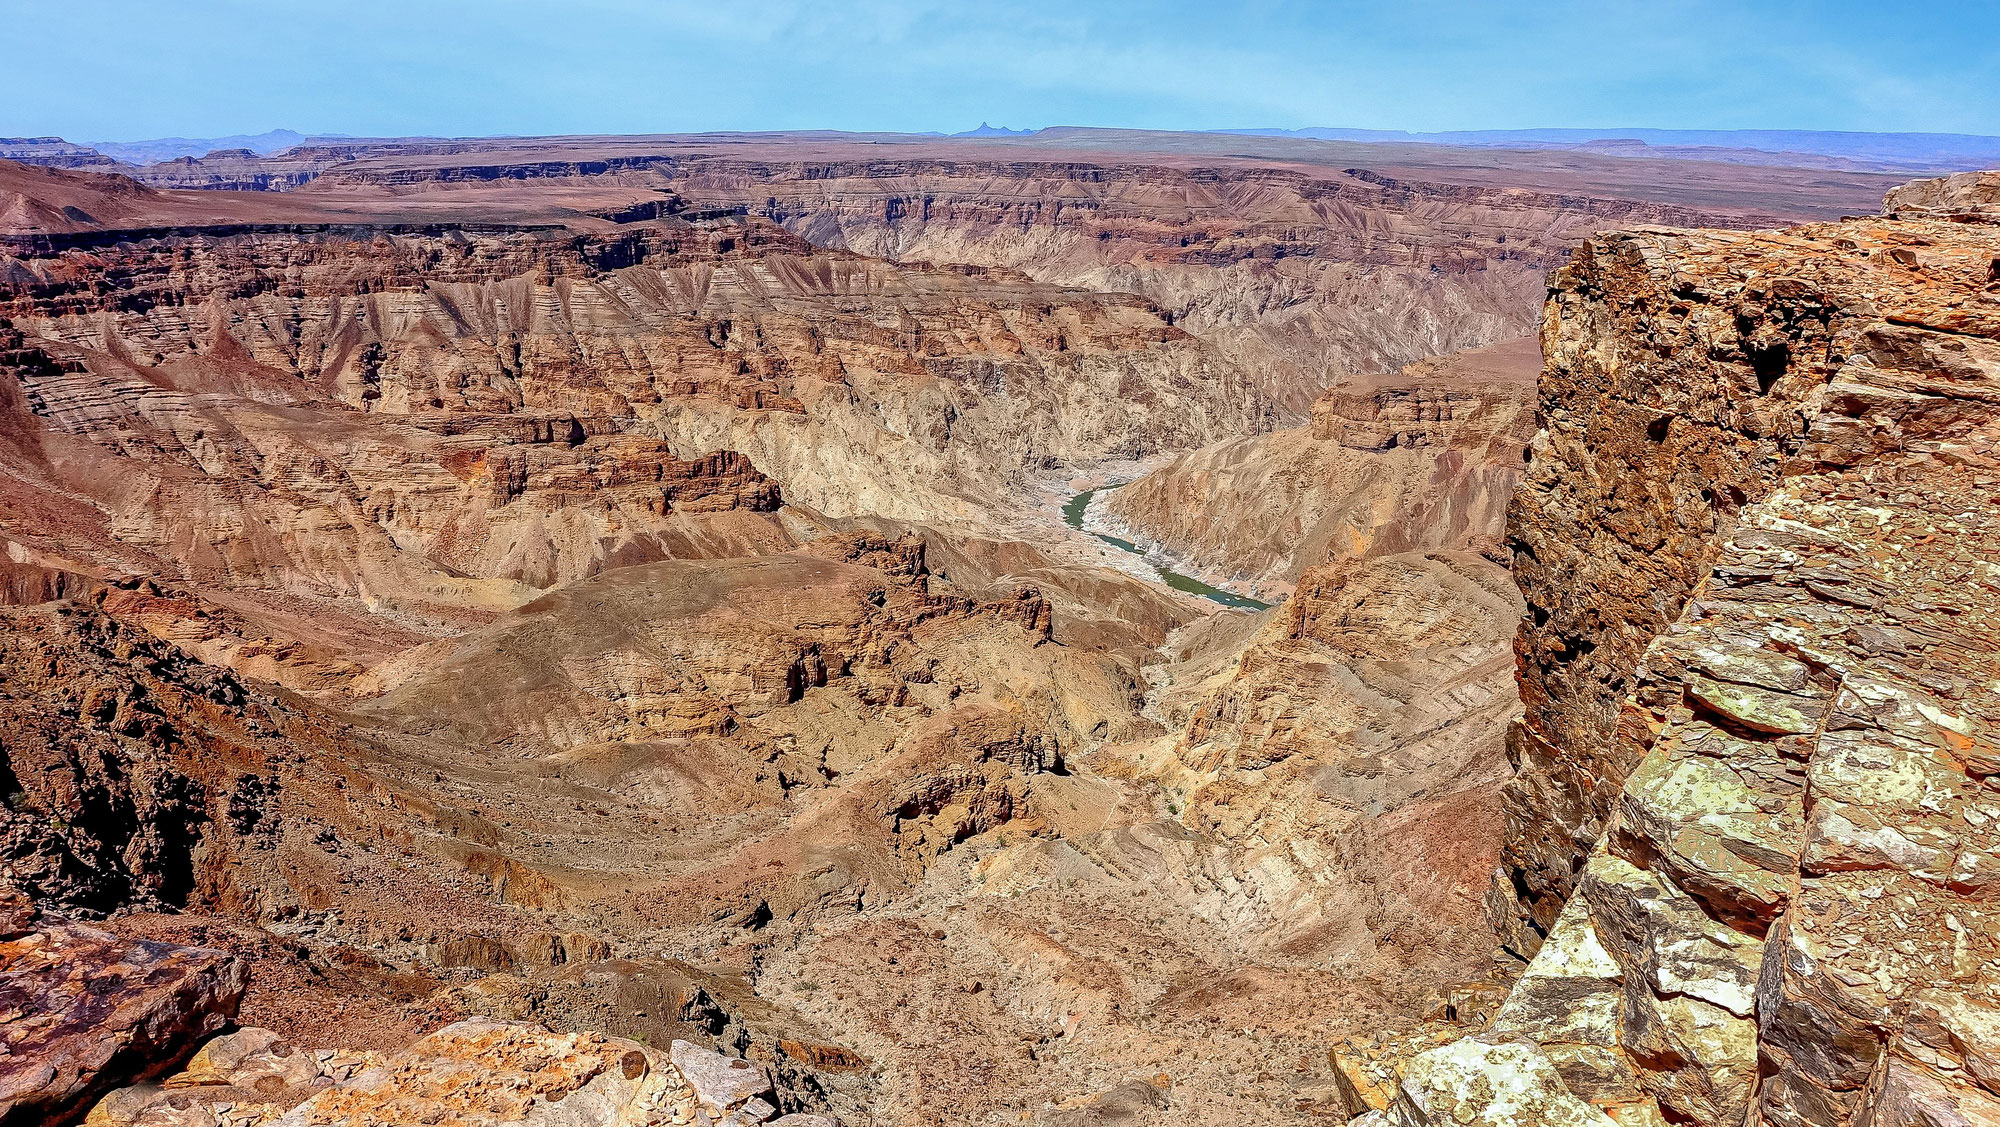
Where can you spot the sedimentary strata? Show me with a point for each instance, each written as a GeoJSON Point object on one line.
{"type": "Point", "coordinates": [1754, 828]}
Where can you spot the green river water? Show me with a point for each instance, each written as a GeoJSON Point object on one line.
{"type": "Point", "coordinates": [1072, 512]}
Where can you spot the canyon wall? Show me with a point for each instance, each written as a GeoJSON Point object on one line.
{"type": "Point", "coordinates": [1752, 838]}
{"type": "Point", "coordinates": [1422, 459]}
{"type": "Point", "coordinates": [860, 386]}
{"type": "Point", "coordinates": [1295, 276]}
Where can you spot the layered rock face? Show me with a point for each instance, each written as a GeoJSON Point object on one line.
{"type": "Point", "coordinates": [1294, 276]}
{"type": "Point", "coordinates": [1422, 459]}
{"type": "Point", "coordinates": [276, 432]}
{"type": "Point", "coordinates": [861, 387]}
{"type": "Point", "coordinates": [1755, 810]}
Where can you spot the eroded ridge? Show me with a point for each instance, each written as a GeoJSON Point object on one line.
{"type": "Point", "coordinates": [1757, 813]}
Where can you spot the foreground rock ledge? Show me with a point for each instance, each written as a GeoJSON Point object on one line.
{"type": "Point", "coordinates": [476, 1073]}
{"type": "Point", "coordinates": [1754, 842]}
{"type": "Point", "coordinates": [83, 1011]}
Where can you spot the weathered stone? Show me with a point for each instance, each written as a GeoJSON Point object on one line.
{"type": "Point", "coordinates": [1759, 665]}
{"type": "Point", "coordinates": [1842, 838]}
{"type": "Point", "coordinates": [721, 1084]}
{"type": "Point", "coordinates": [476, 1073]}
{"type": "Point", "coordinates": [1906, 1094]}
{"type": "Point", "coordinates": [1756, 709]}
{"type": "Point", "coordinates": [82, 1012]}
{"type": "Point", "coordinates": [1474, 1084]}
{"type": "Point", "coordinates": [1568, 1001]}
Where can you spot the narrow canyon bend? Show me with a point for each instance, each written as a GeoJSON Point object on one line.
{"type": "Point", "coordinates": [586, 631]}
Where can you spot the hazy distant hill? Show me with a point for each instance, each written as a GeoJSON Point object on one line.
{"type": "Point", "coordinates": [173, 148]}
{"type": "Point", "coordinates": [1915, 151]}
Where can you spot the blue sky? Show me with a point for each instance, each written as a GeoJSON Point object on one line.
{"type": "Point", "coordinates": [128, 69]}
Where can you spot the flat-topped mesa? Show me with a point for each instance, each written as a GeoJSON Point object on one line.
{"type": "Point", "coordinates": [1389, 417]}
{"type": "Point", "coordinates": [1757, 808]}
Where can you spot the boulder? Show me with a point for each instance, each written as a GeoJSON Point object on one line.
{"type": "Point", "coordinates": [725, 1086]}
{"type": "Point", "coordinates": [83, 1011]}
{"type": "Point", "coordinates": [1470, 1083]}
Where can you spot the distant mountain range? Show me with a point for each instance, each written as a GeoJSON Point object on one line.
{"type": "Point", "coordinates": [1902, 150]}
{"type": "Point", "coordinates": [986, 130]}
{"type": "Point", "coordinates": [1846, 151]}
{"type": "Point", "coordinates": [174, 148]}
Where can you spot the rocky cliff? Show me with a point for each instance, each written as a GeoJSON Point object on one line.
{"type": "Point", "coordinates": [1295, 275]}
{"type": "Point", "coordinates": [1753, 827]}
{"type": "Point", "coordinates": [859, 386]}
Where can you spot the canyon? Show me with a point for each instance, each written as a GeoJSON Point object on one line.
{"type": "Point", "coordinates": [599, 609]}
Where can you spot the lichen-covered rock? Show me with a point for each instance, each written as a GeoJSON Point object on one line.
{"type": "Point", "coordinates": [1470, 1083]}
{"type": "Point", "coordinates": [1689, 376]}
{"type": "Point", "coordinates": [1758, 765]}
{"type": "Point", "coordinates": [83, 1011]}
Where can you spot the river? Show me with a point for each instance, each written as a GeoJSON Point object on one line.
{"type": "Point", "coordinates": [1072, 512]}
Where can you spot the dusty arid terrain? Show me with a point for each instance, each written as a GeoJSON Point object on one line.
{"type": "Point", "coordinates": [498, 623]}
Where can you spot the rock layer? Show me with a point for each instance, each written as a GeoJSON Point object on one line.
{"type": "Point", "coordinates": [1422, 459]}
{"type": "Point", "coordinates": [1756, 805]}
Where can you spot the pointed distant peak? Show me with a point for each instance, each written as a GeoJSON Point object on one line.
{"type": "Point", "coordinates": [986, 130]}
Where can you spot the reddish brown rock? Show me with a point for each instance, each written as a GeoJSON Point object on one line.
{"type": "Point", "coordinates": [83, 1011]}
{"type": "Point", "coordinates": [1756, 796]}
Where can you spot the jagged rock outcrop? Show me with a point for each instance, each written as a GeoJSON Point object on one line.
{"type": "Point", "coordinates": [83, 1011]}
{"type": "Point", "coordinates": [131, 769]}
{"type": "Point", "coordinates": [1756, 817]}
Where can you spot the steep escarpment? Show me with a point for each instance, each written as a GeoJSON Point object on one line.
{"type": "Point", "coordinates": [1296, 270]}
{"type": "Point", "coordinates": [859, 386]}
{"type": "Point", "coordinates": [1422, 459]}
{"type": "Point", "coordinates": [1689, 376]}
{"type": "Point", "coordinates": [1295, 276]}
{"type": "Point", "coordinates": [1753, 830]}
